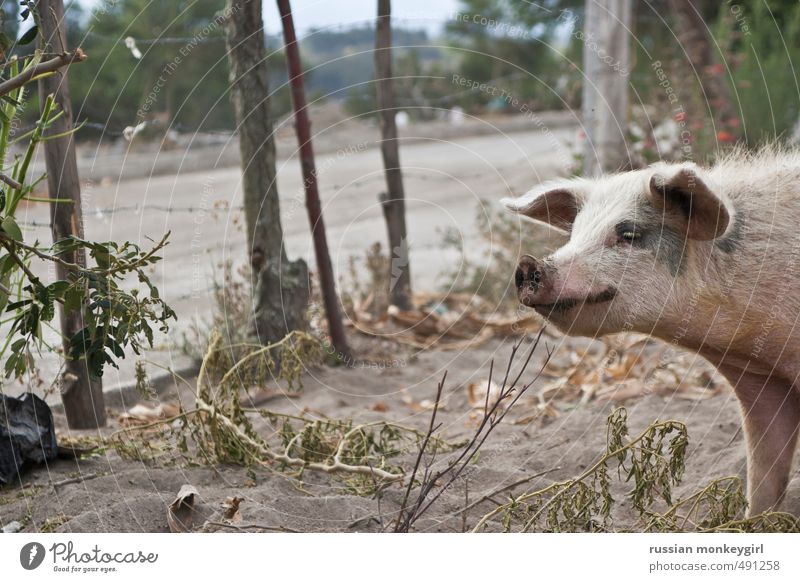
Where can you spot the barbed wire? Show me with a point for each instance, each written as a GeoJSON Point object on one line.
{"type": "Point", "coordinates": [224, 207]}
{"type": "Point", "coordinates": [163, 40]}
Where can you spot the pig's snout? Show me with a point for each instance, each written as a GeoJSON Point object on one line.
{"type": "Point", "coordinates": [529, 278]}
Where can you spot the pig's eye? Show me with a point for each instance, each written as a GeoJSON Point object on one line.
{"type": "Point", "coordinates": [628, 233]}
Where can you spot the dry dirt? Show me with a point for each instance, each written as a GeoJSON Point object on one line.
{"type": "Point", "coordinates": [121, 495]}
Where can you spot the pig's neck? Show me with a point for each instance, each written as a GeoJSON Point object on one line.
{"type": "Point", "coordinates": [708, 313]}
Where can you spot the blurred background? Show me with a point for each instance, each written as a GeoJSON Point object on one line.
{"type": "Point", "coordinates": [533, 50]}
{"type": "Point", "coordinates": [490, 97]}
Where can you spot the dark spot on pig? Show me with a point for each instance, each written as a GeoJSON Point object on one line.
{"type": "Point", "coordinates": [669, 245]}
{"type": "Point", "coordinates": [666, 242]}
{"type": "Point", "coordinates": [606, 295]}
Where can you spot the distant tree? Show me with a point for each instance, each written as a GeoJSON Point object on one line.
{"type": "Point", "coordinates": [181, 73]}
{"type": "Point", "coordinates": [762, 54]}
{"type": "Point", "coordinates": [606, 64]}
{"type": "Point", "coordinates": [280, 286]}
{"type": "Point", "coordinates": [393, 202]}
{"type": "Point", "coordinates": [698, 46]}
{"type": "Point", "coordinates": [519, 47]}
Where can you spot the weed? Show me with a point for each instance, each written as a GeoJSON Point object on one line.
{"type": "Point", "coordinates": [653, 463]}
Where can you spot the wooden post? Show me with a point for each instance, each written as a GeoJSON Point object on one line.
{"type": "Point", "coordinates": [393, 203]}
{"type": "Point", "coordinates": [606, 64]}
{"type": "Point", "coordinates": [303, 130]}
{"type": "Point", "coordinates": [280, 287]}
{"type": "Point", "coordinates": [82, 395]}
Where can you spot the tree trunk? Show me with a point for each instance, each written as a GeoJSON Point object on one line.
{"type": "Point", "coordinates": [303, 130]}
{"type": "Point", "coordinates": [280, 286]}
{"type": "Point", "coordinates": [394, 206]}
{"type": "Point", "coordinates": [606, 64]}
{"type": "Point", "coordinates": [696, 41]}
{"type": "Point", "coordinates": [82, 396]}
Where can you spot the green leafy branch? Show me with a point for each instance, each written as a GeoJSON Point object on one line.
{"type": "Point", "coordinates": [114, 319]}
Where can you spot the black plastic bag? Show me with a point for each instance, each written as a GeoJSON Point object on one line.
{"type": "Point", "coordinates": [27, 434]}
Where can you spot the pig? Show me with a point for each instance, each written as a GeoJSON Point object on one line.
{"type": "Point", "coordinates": [702, 257]}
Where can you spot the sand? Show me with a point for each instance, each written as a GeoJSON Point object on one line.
{"type": "Point", "coordinates": [116, 495]}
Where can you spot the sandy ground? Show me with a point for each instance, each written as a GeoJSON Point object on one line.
{"type": "Point", "coordinates": [108, 494]}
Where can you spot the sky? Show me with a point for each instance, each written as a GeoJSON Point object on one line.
{"type": "Point", "coordinates": [428, 14]}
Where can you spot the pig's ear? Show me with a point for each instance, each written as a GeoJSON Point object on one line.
{"type": "Point", "coordinates": [683, 193]}
{"type": "Point", "coordinates": [556, 203]}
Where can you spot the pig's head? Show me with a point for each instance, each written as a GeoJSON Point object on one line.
{"type": "Point", "coordinates": [632, 236]}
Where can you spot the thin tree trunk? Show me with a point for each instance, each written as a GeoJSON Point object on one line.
{"type": "Point", "coordinates": [82, 396]}
{"type": "Point", "coordinates": [606, 64]}
{"type": "Point", "coordinates": [280, 286]}
{"type": "Point", "coordinates": [696, 41]}
{"type": "Point", "coordinates": [394, 206]}
{"type": "Point", "coordinates": [303, 130]}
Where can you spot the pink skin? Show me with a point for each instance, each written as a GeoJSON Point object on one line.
{"type": "Point", "coordinates": [770, 404]}
{"type": "Point", "coordinates": [562, 295]}
{"type": "Point", "coordinates": [771, 412]}
{"type": "Point", "coordinates": [598, 284]}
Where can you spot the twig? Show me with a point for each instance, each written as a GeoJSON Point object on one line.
{"type": "Point", "coordinates": [78, 479]}
{"type": "Point", "coordinates": [336, 466]}
{"type": "Point", "coordinates": [488, 496]}
{"type": "Point", "coordinates": [422, 447]}
{"type": "Point", "coordinates": [10, 181]}
{"type": "Point", "coordinates": [244, 526]}
{"type": "Point", "coordinates": [28, 273]}
{"type": "Point", "coordinates": [466, 506]}
{"type": "Point", "coordinates": [120, 265]}
{"type": "Point", "coordinates": [492, 417]}
{"type": "Point", "coordinates": [43, 68]}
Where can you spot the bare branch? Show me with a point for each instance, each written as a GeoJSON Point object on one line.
{"type": "Point", "coordinates": [50, 66]}
{"type": "Point", "coordinates": [493, 415]}
{"type": "Point", "coordinates": [10, 181]}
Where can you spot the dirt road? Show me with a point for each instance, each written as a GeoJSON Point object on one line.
{"type": "Point", "coordinates": [445, 181]}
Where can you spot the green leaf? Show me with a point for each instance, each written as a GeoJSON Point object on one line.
{"type": "Point", "coordinates": [101, 256]}
{"type": "Point", "coordinates": [29, 36]}
{"type": "Point", "coordinates": [57, 289]}
{"type": "Point", "coordinates": [7, 265]}
{"type": "Point", "coordinates": [11, 228]}
{"type": "Point", "coordinates": [73, 298]}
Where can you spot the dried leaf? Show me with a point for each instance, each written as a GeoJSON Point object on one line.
{"type": "Point", "coordinates": [423, 405]}
{"type": "Point", "coordinates": [180, 513]}
{"type": "Point", "coordinates": [476, 394]}
{"type": "Point", "coordinates": [230, 509]}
